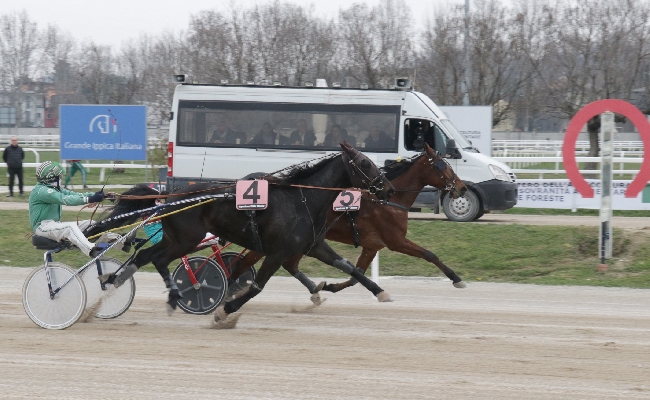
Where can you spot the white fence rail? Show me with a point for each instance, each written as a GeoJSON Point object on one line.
{"type": "Point", "coordinates": [582, 146]}
{"type": "Point", "coordinates": [103, 167]}
{"type": "Point", "coordinates": [52, 141]}
{"type": "Point", "coordinates": [518, 164]}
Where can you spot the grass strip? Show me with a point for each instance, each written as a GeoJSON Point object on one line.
{"type": "Point", "coordinates": [486, 252]}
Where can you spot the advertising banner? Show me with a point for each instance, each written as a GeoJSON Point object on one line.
{"type": "Point", "coordinates": [103, 132]}
{"type": "Point", "coordinates": [475, 123]}
{"type": "Point", "coordinates": [560, 193]}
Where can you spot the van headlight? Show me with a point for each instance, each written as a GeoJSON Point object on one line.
{"type": "Point", "coordinates": [499, 173]}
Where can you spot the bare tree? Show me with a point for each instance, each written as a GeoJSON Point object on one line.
{"type": "Point", "coordinates": [597, 50]}
{"type": "Point", "coordinates": [500, 65]}
{"type": "Point", "coordinates": [94, 66]}
{"type": "Point", "coordinates": [376, 42]}
{"type": "Point", "coordinates": [167, 56]}
{"type": "Point", "coordinates": [19, 44]}
{"type": "Point", "coordinates": [440, 66]}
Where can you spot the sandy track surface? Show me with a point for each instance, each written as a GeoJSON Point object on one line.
{"type": "Point", "coordinates": [489, 341]}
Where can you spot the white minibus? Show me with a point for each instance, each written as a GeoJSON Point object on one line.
{"type": "Point", "coordinates": [229, 131]}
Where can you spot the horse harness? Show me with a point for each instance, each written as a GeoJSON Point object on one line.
{"type": "Point", "coordinates": [442, 165]}
{"type": "Point", "coordinates": [374, 185]}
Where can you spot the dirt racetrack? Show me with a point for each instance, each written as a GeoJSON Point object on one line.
{"type": "Point", "coordinates": [489, 341]}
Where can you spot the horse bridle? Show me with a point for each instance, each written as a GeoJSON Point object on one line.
{"type": "Point", "coordinates": [440, 166]}
{"type": "Point", "coordinates": [374, 185]}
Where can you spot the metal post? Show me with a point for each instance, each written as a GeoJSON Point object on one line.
{"type": "Point", "coordinates": [466, 50]}
{"type": "Point", "coordinates": [607, 128]}
{"type": "Point", "coordinates": [374, 269]}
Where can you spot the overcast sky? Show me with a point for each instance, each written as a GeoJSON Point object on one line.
{"type": "Point", "coordinates": [112, 22]}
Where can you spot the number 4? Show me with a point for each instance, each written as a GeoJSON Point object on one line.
{"type": "Point", "coordinates": [254, 196]}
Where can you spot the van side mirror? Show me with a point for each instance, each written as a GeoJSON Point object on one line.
{"type": "Point", "coordinates": [452, 150]}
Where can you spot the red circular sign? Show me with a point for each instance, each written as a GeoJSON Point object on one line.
{"type": "Point", "coordinates": [571, 137]}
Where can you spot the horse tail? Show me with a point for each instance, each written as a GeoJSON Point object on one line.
{"type": "Point", "coordinates": [124, 206]}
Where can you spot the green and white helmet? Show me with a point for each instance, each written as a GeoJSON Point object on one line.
{"type": "Point", "coordinates": [49, 171]}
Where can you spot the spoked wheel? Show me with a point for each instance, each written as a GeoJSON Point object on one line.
{"type": "Point", "coordinates": [107, 302]}
{"type": "Point", "coordinates": [244, 280]}
{"type": "Point", "coordinates": [210, 289]}
{"type": "Point", "coordinates": [67, 305]}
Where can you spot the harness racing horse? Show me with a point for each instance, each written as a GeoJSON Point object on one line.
{"type": "Point", "coordinates": [382, 225]}
{"type": "Point", "coordinates": [292, 224]}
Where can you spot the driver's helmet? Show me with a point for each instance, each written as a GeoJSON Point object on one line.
{"type": "Point", "coordinates": [49, 171]}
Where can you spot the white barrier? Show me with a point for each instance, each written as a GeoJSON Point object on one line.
{"type": "Point", "coordinates": [555, 145]}
{"type": "Point", "coordinates": [52, 141]}
{"type": "Point", "coordinates": [518, 163]}
{"type": "Point", "coordinates": [560, 193]}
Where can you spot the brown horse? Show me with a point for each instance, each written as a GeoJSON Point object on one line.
{"type": "Point", "coordinates": [382, 224]}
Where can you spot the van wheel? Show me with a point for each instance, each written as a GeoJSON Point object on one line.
{"type": "Point", "coordinates": [462, 209]}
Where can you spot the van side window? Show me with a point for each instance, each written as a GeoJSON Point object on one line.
{"type": "Point", "coordinates": [420, 131]}
{"type": "Point", "coordinates": [287, 125]}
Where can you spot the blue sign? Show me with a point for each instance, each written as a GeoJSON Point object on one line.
{"type": "Point", "coordinates": [103, 132]}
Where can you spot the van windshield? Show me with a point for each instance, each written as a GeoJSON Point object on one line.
{"type": "Point", "coordinates": [288, 126]}
{"type": "Point", "coordinates": [456, 135]}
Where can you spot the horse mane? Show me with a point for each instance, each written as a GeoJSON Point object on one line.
{"type": "Point", "coordinates": [297, 173]}
{"type": "Point", "coordinates": [395, 169]}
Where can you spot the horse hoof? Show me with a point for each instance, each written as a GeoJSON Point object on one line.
{"type": "Point", "coordinates": [170, 309]}
{"type": "Point", "coordinates": [319, 287]}
{"type": "Point", "coordinates": [460, 285]}
{"type": "Point", "coordinates": [229, 323]}
{"type": "Point", "coordinates": [384, 297]}
{"type": "Point", "coordinates": [220, 314]}
{"type": "Point", "coordinates": [315, 298]}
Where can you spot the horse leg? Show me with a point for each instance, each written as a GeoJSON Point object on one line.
{"type": "Point", "coordinates": [142, 258]}
{"type": "Point", "coordinates": [243, 264]}
{"type": "Point", "coordinates": [412, 249]}
{"type": "Point", "coordinates": [324, 253]}
{"type": "Point", "coordinates": [269, 266]}
{"type": "Point", "coordinates": [291, 265]}
{"type": "Point", "coordinates": [363, 262]}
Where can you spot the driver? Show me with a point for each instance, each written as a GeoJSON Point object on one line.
{"type": "Point", "coordinates": [45, 204]}
{"type": "Point", "coordinates": [417, 131]}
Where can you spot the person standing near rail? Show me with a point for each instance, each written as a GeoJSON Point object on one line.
{"type": "Point", "coordinates": [75, 165]}
{"type": "Point", "coordinates": [14, 156]}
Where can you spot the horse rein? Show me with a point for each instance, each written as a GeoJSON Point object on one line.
{"type": "Point", "coordinates": [373, 185]}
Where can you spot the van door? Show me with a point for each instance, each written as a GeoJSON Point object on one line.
{"type": "Point", "coordinates": [418, 131]}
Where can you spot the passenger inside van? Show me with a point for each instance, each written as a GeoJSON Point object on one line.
{"type": "Point", "coordinates": [303, 136]}
{"type": "Point", "coordinates": [267, 135]}
{"type": "Point", "coordinates": [337, 135]}
{"type": "Point", "coordinates": [223, 134]}
{"type": "Point", "coordinates": [378, 139]}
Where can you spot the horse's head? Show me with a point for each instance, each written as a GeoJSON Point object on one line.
{"type": "Point", "coordinates": [443, 176]}
{"type": "Point", "coordinates": [364, 173]}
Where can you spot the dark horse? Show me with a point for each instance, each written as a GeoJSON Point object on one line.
{"type": "Point", "coordinates": [382, 225]}
{"type": "Point", "coordinates": [293, 223]}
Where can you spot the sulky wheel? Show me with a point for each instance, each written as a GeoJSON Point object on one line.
{"type": "Point", "coordinates": [105, 301]}
{"type": "Point", "coordinates": [67, 305]}
{"type": "Point", "coordinates": [244, 280]}
{"type": "Point", "coordinates": [209, 290]}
